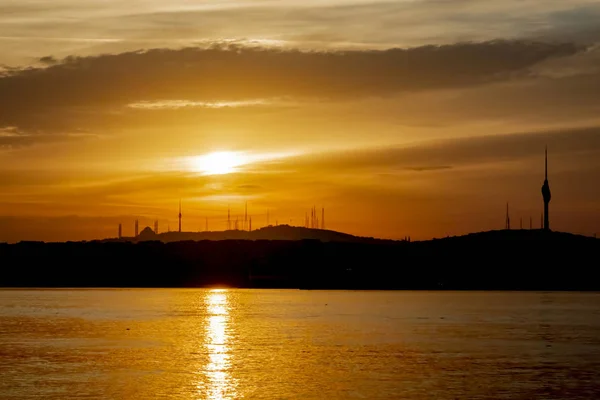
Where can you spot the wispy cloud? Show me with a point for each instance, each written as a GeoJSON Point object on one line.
{"type": "Point", "coordinates": [179, 104]}
{"type": "Point", "coordinates": [12, 137]}
{"type": "Point", "coordinates": [312, 23]}
{"type": "Point", "coordinates": [70, 92]}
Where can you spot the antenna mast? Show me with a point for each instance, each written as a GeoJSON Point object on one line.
{"type": "Point", "coordinates": [179, 215]}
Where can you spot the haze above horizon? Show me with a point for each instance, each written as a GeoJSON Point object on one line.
{"type": "Point", "coordinates": [420, 118]}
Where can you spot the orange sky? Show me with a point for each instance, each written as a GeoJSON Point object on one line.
{"type": "Point", "coordinates": [400, 118]}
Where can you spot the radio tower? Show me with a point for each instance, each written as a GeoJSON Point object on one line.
{"type": "Point", "coordinates": [546, 194]}
{"type": "Point", "coordinates": [120, 231]}
{"type": "Point", "coordinates": [180, 216]}
{"type": "Point", "coordinates": [245, 217]}
{"type": "Point", "coordinates": [136, 228]}
{"type": "Point", "coordinates": [156, 227]}
{"type": "Point", "coordinates": [250, 224]}
{"type": "Point", "coordinates": [228, 219]}
{"type": "Point", "coordinates": [507, 218]}
{"type": "Point", "coordinates": [323, 218]}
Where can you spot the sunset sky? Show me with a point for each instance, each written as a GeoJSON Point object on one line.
{"type": "Point", "coordinates": [404, 117]}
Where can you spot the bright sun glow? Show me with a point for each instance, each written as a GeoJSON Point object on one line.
{"type": "Point", "coordinates": [218, 163]}
{"type": "Point", "coordinates": [227, 162]}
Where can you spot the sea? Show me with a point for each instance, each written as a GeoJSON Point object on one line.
{"type": "Point", "coordinates": [223, 343]}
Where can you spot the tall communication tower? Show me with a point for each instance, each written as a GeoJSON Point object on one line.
{"type": "Point", "coordinates": [250, 224]}
{"type": "Point", "coordinates": [323, 218]}
{"type": "Point", "coordinates": [245, 216]}
{"type": "Point", "coordinates": [546, 193]}
{"type": "Point", "coordinates": [228, 219]}
{"type": "Point", "coordinates": [180, 216]}
{"type": "Point", "coordinates": [136, 227]}
{"type": "Point", "coordinates": [156, 227]}
{"type": "Point", "coordinates": [507, 218]}
{"type": "Point", "coordinates": [120, 231]}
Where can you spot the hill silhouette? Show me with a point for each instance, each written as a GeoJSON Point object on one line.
{"type": "Point", "coordinates": [494, 260]}
{"type": "Point", "coordinates": [279, 232]}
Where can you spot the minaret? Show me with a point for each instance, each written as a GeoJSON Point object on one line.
{"type": "Point", "coordinates": [179, 216]}
{"type": "Point", "coordinates": [507, 218]}
{"type": "Point", "coordinates": [546, 194]}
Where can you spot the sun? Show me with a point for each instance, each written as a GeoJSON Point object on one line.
{"type": "Point", "coordinates": [218, 163]}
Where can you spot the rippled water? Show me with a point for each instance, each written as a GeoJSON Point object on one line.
{"type": "Point", "coordinates": [279, 344]}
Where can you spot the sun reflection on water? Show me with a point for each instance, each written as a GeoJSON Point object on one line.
{"type": "Point", "coordinates": [218, 383]}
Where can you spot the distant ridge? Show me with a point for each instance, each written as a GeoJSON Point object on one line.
{"type": "Point", "coordinates": [292, 257]}
{"type": "Point", "coordinates": [287, 232]}
{"type": "Point", "coordinates": [515, 234]}
{"type": "Point", "coordinates": [279, 232]}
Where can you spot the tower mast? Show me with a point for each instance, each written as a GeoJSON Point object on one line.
{"type": "Point", "coordinates": [546, 193]}
{"type": "Point", "coordinates": [179, 215]}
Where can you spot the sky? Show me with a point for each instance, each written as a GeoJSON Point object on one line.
{"type": "Point", "coordinates": [419, 118]}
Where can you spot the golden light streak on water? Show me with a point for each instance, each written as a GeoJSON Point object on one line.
{"type": "Point", "coordinates": [218, 383]}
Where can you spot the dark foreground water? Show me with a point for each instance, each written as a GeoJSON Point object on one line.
{"type": "Point", "coordinates": [280, 344]}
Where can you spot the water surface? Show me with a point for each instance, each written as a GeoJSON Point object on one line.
{"type": "Point", "coordinates": [292, 344]}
